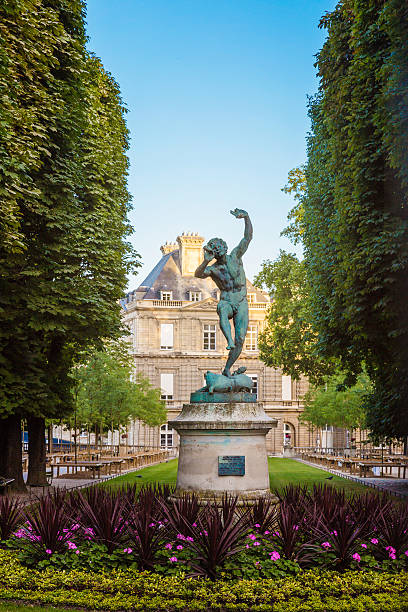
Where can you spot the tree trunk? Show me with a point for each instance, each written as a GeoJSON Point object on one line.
{"type": "Point", "coordinates": [36, 451]}
{"type": "Point", "coordinates": [11, 451]}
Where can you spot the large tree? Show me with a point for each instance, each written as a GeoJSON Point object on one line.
{"type": "Point", "coordinates": [334, 404]}
{"type": "Point", "coordinates": [108, 395]}
{"type": "Point", "coordinates": [355, 226]}
{"type": "Point", "coordinates": [64, 255]}
{"type": "Point", "coordinates": [288, 340]}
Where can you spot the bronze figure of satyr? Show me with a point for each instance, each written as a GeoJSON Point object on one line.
{"type": "Point", "coordinates": [228, 274]}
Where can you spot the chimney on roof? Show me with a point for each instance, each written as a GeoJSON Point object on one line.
{"type": "Point", "coordinates": [190, 252]}
{"type": "Point", "coordinates": [169, 247]}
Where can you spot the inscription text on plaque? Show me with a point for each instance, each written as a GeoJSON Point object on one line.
{"type": "Point", "coordinates": [231, 465]}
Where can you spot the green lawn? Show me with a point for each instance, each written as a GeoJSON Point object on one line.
{"type": "Point", "coordinates": [281, 473]}
{"type": "Point", "coordinates": [164, 473]}
{"type": "Point", "coordinates": [288, 471]}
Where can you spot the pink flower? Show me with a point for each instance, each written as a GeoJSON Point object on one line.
{"type": "Point", "coordinates": [356, 557]}
{"type": "Point", "coordinates": [392, 556]}
{"type": "Point", "coordinates": [77, 552]}
{"type": "Point", "coordinates": [179, 547]}
{"type": "Point", "coordinates": [247, 546]}
{"type": "Point", "coordinates": [257, 544]}
{"type": "Point", "coordinates": [257, 525]}
{"type": "Point", "coordinates": [152, 524]}
{"type": "Point", "coordinates": [274, 555]}
{"type": "Point", "coordinates": [127, 550]}
{"type": "Point", "coordinates": [189, 539]}
{"type": "Point", "coordinates": [173, 559]}
{"type": "Point", "coordinates": [180, 536]}
{"type": "Point", "coordinates": [364, 546]}
{"type": "Point", "coordinates": [333, 532]}
{"type": "Point", "coordinates": [194, 524]}
{"type": "Point", "coordinates": [266, 532]}
{"type": "Point", "coordinates": [48, 551]}
{"type": "Point", "coordinates": [374, 541]}
{"type": "Point", "coordinates": [326, 545]}
{"type": "Point", "coordinates": [295, 527]}
{"type": "Point", "coordinates": [169, 546]}
{"type": "Point", "coordinates": [252, 536]}
{"type": "Point", "coordinates": [72, 546]}
{"type": "Point", "coordinates": [406, 553]}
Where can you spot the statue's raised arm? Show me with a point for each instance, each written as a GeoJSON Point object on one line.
{"type": "Point", "coordinates": [244, 243]}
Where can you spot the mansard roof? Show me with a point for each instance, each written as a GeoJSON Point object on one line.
{"type": "Point", "coordinates": [167, 276]}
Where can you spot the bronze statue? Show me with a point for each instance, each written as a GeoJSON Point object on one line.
{"type": "Point", "coordinates": [228, 274]}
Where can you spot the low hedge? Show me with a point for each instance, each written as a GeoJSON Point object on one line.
{"type": "Point", "coordinates": [317, 591]}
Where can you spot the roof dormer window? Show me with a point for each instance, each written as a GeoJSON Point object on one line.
{"type": "Point", "coordinates": [166, 296]}
{"type": "Point", "coordinates": [195, 296]}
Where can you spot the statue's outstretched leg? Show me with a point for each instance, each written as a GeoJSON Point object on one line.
{"type": "Point", "coordinates": [225, 313]}
{"type": "Point", "coordinates": [241, 320]}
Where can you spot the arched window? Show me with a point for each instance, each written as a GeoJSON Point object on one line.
{"type": "Point", "coordinates": [166, 436]}
{"type": "Point", "coordinates": [288, 435]}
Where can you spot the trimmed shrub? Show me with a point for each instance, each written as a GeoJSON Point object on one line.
{"type": "Point", "coordinates": [309, 591]}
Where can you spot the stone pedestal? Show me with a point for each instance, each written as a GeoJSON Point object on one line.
{"type": "Point", "coordinates": [230, 435]}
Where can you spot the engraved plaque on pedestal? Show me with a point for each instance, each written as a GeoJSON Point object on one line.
{"type": "Point", "coordinates": [231, 465]}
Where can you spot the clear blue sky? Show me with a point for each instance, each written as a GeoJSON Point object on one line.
{"type": "Point", "coordinates": [216, 92]}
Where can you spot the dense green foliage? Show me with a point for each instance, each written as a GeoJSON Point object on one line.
{"type": "Point", "coordinates": [336, 405]}
{"type": "Point", "coordinates": [65, 169]}
{"type": "Point", "coordinates": [311, 591]}
{"type": "Point", "coordinates": [288, 340]}
{"type": "Point", "coordinates": [296, 187]}
{"type": "Point", "coordinates": [64, 203]}
{"type": "Point", "coordinates": [106, 396]}
{"type": "Point", "coordinates": [355, 226]}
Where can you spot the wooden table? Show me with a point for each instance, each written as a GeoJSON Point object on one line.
{"type": "Point", "coordinates": [94, 466]}
{"type": "Point", "coordinates": [365, 466]}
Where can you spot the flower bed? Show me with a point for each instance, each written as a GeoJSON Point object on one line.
{"type": "Point", "coordinates": [141, 529]}
{"type": "Point", "coordinates": [317, 551]}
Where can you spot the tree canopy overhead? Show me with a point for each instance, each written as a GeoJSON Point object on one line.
{"type": "Point", "coordinates": [64, 254]}
{"type": "Point", "coordinates": [355, 227]}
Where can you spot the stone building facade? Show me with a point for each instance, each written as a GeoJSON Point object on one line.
{"type": "Point", "coordinates": [176, 338]}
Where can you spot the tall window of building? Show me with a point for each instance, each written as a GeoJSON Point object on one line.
{"type": "Point", "coordinates": [166, 296]}
{"type": "Point", "coordinates": [166, 336]}
{"type": "Point", "coordinates": [209, 337]}
{"type": "Point", "coordinates": [195, 296]}
{"type": "Point", "coordinates": [254, 378]}
{"type": "Point", "coordinates": [251, 298]}
{"type": "Point", "coordinates": [166, 436]}
{"type": "Point", "coordinates": [251, 340]}
{"type": "Point", "coordinates": [166, 385]}
{"type": "Point", "coordinates": [286, 388]}
{"type": "Point", "coordinates": [287, 434]}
